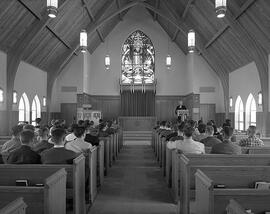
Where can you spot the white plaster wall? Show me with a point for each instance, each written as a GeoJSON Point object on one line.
{"type": "Point", "coordinates": [32, 81]}
{"type": "Point", "coordinates": [71, 76]}
{"type": "Point", "coordinates": [244, 81]}
{"type": "Point", "coordinates": [3, 77]}
{"type": "Point", "coordinates": [169, 82]}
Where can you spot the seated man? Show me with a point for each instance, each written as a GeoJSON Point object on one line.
{"type": "Point", "coordinates": [43, 144]}
{"type": "Point", "coordinates": [12, 144]}
{"type": "Point", "coordinates": [251, 140]}
{"type": "Point", "coordinates": [188, 145]}
{"type": "Point", "coordinates": [24, 155]}
{"type": "Point", "coordinates": [210, 140]}
{"type": "Point", "coordinates": [227, 146]}
{"type": "Point", "coordinates": [58, 154]}
{"type": "Point", "coordinates": [172, 144]}
{"type": "Point", "coordinates": [78, 145]}
{"type": "Point", "coordinates": [92, 136]}
{"type": "Point", "coordinates": [201, 135]}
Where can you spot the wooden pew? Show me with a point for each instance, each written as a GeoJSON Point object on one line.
{"type": "Point", "coordinates": [100, 165]}
{"type": "Point", "coordinates": [235, 208]}
{"type": "Point", "coordinates": [15, 207]}
{"type": "Point", "coordinates": [106, 141]}
{"type": "Point", "coordinates": [93, 161]}
{"type": "Point", "coordinates": [175, 175]}
{"type": "Point", "coordinates": [47, 199]}
{"type": "Point", "coordinates": [257, 150]}
{"type": "Point", "coordinates": [168, 167]}
{"type": "Point", "coordinates": [4, 139]}
{"type": "Point", "coordinates": [239, 182]}
{"type": "Point", "coordinates": [189, 163]}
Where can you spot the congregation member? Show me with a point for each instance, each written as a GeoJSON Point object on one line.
{"type": "Point", "coordinates": [201, 129]}
{"type": "Point", "coordinates": [251, 140]}
{"type": "Point", "coordinates": [58, 154]}
{"type": "Point", "coordinates": [71, 136]}
{"type": "Point", "coordinates": [188, 145]}
{"type": "Point", "coordinates": [227, 146]}
{"type": "Point", "coordinates": [14, 143]}
{"type": "Point", "coordinates": [173, 132]}
{"type": "Point", "coordinates": [43, 143]}
{"type": "Point", "coordinates": [91, 135]}
{"type": "Point", "coordinates": [210, 140]}
{"type": "Point", "coordinates": [78, 145]}
{"type": "Point", "coordinates": [24, 154]}
{"type": "Point", "coordinates": [174, 141]}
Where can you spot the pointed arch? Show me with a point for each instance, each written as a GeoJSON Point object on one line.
{"type": "Point", "coordinates": [138, 59]}
{"type": "Point", "coordinates": [251, 110]}
{"type": "Point", "coordinates": [24, 108]}
{"type": "Point", "coordinates": [239, 114]}
{"type": "Point", "coordinates": [36, 109]}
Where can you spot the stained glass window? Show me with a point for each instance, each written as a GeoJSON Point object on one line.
{"type": "Point", "coordinates": [138, 59]}
{"type": "Point", "coordinates": [251, 111]}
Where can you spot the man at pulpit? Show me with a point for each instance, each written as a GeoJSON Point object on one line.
{"type": "Point", "coordinates": [180, 107]}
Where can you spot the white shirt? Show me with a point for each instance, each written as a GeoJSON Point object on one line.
{"type": "Point", "coordinates": [190, 146]}
{"type": "Point", "coordinates": [78, 145]}
{"type": "Point", "coordinates": [70, 137]}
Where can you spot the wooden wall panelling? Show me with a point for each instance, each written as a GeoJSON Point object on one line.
{"type": "Point", "coordinates": [69, 112]}
{"type": "Point", "coordinates": [207, 112]}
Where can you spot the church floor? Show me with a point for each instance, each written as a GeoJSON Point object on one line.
{"type": "Point", "coordinates": [134, 185]}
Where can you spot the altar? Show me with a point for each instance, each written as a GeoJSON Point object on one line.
{"type": "Point", "coordinates": [137, 123]}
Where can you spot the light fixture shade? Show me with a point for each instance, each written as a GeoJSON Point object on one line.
{"type": "Point", "coordinates": [83, 41]}
{"type": "Point", "coordinates": [221, 7]}
{"type": "Point", "coordinates": [14, 97]}
{"type": "Point", "coordinates": [44, 101]}
{"type": "Point", "coordinates": [168, 61]}
{"type": "Point", "coordinates": [107, 62]}
{"type": "Point", "coordinates": [260, 98]}
{"type": "Point", "coordinates": [52, 6]}
{"type": "Point", "coordinates": [231, 102]}
{"type": "Point", "coordinates": [191, 41]}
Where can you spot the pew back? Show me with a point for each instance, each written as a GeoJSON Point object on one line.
{"type": "Point", "coordinates": [239, 182]}
{"type": "Point", "coordinates": [15, 207]}
{"type": "Point", "coordinates": [189, 163]}
{"type": "Point", "coordinates": [47, 199]}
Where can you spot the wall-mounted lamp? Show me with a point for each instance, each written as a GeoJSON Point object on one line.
{"type": "Point", "coordinates": [260, 98]}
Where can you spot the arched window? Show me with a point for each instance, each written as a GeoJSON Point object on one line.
{"type": "Point", "coordinates": [239, 114]}
{"type": "Point", "coordinates": [250, 111]}
{"type": "Point", "coordinates": [24, 109]}
{"type": "Point", "coordinates": [138, 59]}
{"type": "Point", "coordinates": [1, 95]}
{"type": "Point", "coordinates": [36, 109]}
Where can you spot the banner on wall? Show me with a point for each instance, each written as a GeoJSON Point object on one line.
{"type": "Point", "coordinates": [86, 113]}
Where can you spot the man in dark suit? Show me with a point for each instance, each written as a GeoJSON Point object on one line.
{"type": "Point", "coordinates": [227, 146]}
{"type": "Point", "coordinates": [180, 107]}
{"type": "Point", "coordinates": [58, 154]}
{"type": "Point", "coordinates": [24, 154]}
{"type": "Point", "coordinates": [210, 140]}
{"type": "Point", "coordinates": [43, 144]}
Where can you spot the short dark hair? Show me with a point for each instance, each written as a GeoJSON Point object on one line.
{"type": "Point", "coordinates": [38, 120]}
{"type": "Point", "coordinates": [27, 136]}
{"type": "Point", "coordinates": [29, 127]}
{"type": "Point", "coordinates": [79, 131]}
{"type": "Point", "coordinates": [42, 131]}
{"type": "Point", "coordinates": [228, 131]}
{"type": "Point", "coordinates": [163, 123]}
{"type": "Point", "coordinates": [58, 135]}
{"type": "Point", "coordinates": [188, 131]}
{"type": "Point", "coordinates": [181, 126]}
{"type": "Point", "coordinates": [210, 129]}
{"type": "Point", "coordinates": [202, 128]}
{"type": "Point", "coordinates": [16, 130]}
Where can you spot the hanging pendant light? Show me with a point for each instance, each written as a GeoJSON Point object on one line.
{"type": "Point", "coordinates": [83, 41]}
{"type": "Point", "coordinates": [260, 98]}
{"type": "Point", "coordinates": [231, 102]}
{"type": "Point", "coordinates": [168, 61]}
{"type": "Point", "coordinates": [52, 6]}
{"type": "Point", "coordinates": [191, 41]}
{"type": "Point", "coordinates": [221, 7]}
{"type": "Point", "coordinates": [107, 62]}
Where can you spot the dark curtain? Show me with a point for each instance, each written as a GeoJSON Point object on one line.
{"type": "Point", "coordinates": [138, 103]}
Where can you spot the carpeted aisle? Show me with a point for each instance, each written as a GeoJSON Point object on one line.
{"type": "Point", "coordinates": [134, 185]}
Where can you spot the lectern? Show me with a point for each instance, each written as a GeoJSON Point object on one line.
{"type": "Point", "coordinates": [183, 114]}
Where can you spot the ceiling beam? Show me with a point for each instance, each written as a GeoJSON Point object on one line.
{"type": "Point", "coordinates": [244, 7]}
{"type": "Point", "coordinates": [175, 34]}
{"type": "Point", "coordinates": [31, 9]}
{"type": "Point", "coordinates": [189, 4]}
{"type": "Point", "coordinates": [118, 6]}
{"type": "Point", "coordinates": [157, 6]}
{"type": "Point", "coordinates": [92, 19]}
{"type": "Point", "coordinates": [216, 36]}
{"type": "Point", "coordinates": [58, 37]}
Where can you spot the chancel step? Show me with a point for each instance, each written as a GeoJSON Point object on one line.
{"type": "Point", "coordinates": [137, 135]}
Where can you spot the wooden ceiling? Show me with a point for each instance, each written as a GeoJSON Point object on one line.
{"type": "Point", "coordinates": [49, 44]}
